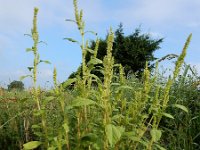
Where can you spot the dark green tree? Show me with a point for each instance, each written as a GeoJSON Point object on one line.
{"type": "Point", "coordinates": [16, 85]}
{"type": "Point", "coordinates": [132, 51]}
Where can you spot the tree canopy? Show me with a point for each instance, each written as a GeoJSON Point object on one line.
{"type": "Point", "coordinates": [132, 51]}
{"type": "Point", "coordinates": [16, 85]}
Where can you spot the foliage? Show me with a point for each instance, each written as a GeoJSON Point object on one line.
{"type": "Point", "coordinates": [116, 113]}
{"type": "Point", "coordinates": [132, 51]}
{"type": "Point", "coordinates": [16, 85]}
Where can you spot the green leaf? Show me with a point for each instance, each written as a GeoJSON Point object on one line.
{"type": "Point", "coordinates": [96, 78]}
{"type": "Point", "coordinates": [42, 42]}
{"type": "Point", "coordinates": [69, 82]}
{"type": "Point", "coordinates": [39, 134]}
{"type": "Point", "coordinates": [155, 134]}
{"type": "Point", "coordinates": [45, 61]}
{"type": "Point", "coordinates": [168, 115]}
{"type": "Point", "coordinates": [29, 49]}
{"type": "Point", "coordinates": [115, 84]}
{"type": "Point", "coordinates": [23, 77]}
{"type": "Point", "coordinates": [38, 112]}
{"type": "Point", "coordinates": [160, 147]}
{"type": "Point", "coordinates": [28, 35]}
{"type": "Point", "coordinates": [91, 32]}
{"type": "Point", "coordinates": [48, 99]}
{"type": "Point", "coordinates": [35, 126]}
{"type": "Point", "coordinates": [90, 50]}
{"type": "Point", "coordinates": [90, 137]}
{"type": "Point", "coordinates": [113, 133]}
{"type": "Point", "coordinates": [70, 20]}
{"type": "Point", "coordinates": [66, 127]}
{"type": "Point", "coordinates": [95, 61]}
{"type": "Point", "coordinates": [116, 117]}
{"type": "Point", "coordinates": [30, 68]}
{"type": "Point", "coordinates": [125, 87]}
{"type": "Point", "coordinates": [82, 102]}
{"type": "Point", "coordinates": [181, 107]}
{"type": "Point", "coordinates": [51, 148]}
{"type": "Point", "coordinates": [32, 145]}
{"type": "Point", "coordinates": [71, 40]}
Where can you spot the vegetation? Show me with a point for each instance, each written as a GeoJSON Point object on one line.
{"type": "Point", "coordinates": [132, 51]}
{"type": "Point", "coordinates": [16, 85]}
{"type": "Point", "coordinates": [116, 113]}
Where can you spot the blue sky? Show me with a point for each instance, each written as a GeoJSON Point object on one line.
{"type": "Point", "coordinates": [172, 20]}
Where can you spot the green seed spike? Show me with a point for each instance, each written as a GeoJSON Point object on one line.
{"type": "Point", "coordinates": [55, 76]}
{"type": "Point", "coordinates": [96, 48]}
{"type": "Point", "coordinates": [35, 35]}
{"type": "Point", "coordinates": [182, 56]}
{"type": "Point", "coordinates": [77, 17]}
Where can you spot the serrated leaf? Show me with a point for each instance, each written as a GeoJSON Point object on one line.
{"type": "Point", "coordinates": [32, 145]}
{"type": "Point", "coordinates": [155, 134]}
{"type": "Point", "coordinates": [71, 40]}
{"type": "Point", "coordinates": [113, 133]}
{"type": "Point", "coordinates": [82, 102]}
{"type": "Point", "coordinates": [168, 115]}
{"type": "Point", "coordinates": [181, 107]}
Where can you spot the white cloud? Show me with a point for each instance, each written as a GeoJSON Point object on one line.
{"type": "Point", "coordinates": [17, 15]}
{"type": "Point", "coordinates": [160, 12]}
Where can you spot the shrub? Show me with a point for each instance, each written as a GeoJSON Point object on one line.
{"type": "Point", "coordinates": [16, 85]}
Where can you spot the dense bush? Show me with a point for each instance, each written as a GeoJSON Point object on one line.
{"type": "Point", "coordinates": [16, 85]}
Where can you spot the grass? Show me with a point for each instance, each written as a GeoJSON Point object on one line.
{"type": "Point", "coordinates": [116, 113]}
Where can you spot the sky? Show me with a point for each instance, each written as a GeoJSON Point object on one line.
{"type": "Point", "coordinates": [172, 20]}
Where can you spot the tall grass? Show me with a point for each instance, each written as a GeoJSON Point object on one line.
{"type": "Point", "coordinates": [115, 112]}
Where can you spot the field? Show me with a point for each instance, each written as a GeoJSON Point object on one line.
{"type": "Point", "coordinates": [114, 113]}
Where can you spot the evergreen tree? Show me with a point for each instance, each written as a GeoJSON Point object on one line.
{"type": "Point", "coordinates": [132, 51]}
